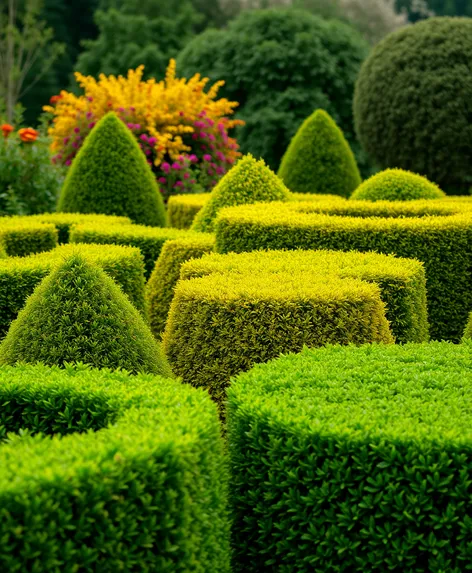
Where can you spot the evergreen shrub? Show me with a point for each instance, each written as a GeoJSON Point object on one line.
{"type": "Point", "coordinates": [110, 473]}
{"type": "Point", "coordinates": [20, 237]}
{"type": "Point", "coordinates": [319, 159]}
{"type": "Point", "coordinates": [353, 459]}
{"type": "Point", "coordinates": [110, 176]}
{"type": "Point", "coordinates": [468, 328]}
{"type": "Point", "coordinates": [182, 209]}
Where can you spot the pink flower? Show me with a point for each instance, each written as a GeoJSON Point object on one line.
{"type": "Point", "coordinates": [143, 137]}
{"type": "Point", "coordinates": [68, 162]}
{"type": "Point", "coordinates": [220, 170]}
{"type": "Point", "coordinates": [192, 181]}
{"type": "Point", "coordinates": [207, 157]}
{"type": "Point", "coordinates": [137, 126]}
{"type": "Point", "coordinates": [162, 180]}
{"type": "Point", "coordinates": [220, 156]}
{"type": "Point", "coordinates": [186, 175]}
{"type": "Point", "coordinates": [90, 98]}
{"type": "Point", "coordinates": [211, 137]}
{"type": "Point", "coordinates": [179, 184]}
{"type": "Point", "coordinates": [210, 172]}
{"type": "Point", "coordinates": [152, 140]}
{"type": "Point", "coordinates": [76, 130]}
{"type": "Point", "coordinates": [176, 165]}
{"type": "Point", "coordinates": [210, 122]}
{"type": "Point", "coordinates": [66, 140]}
{"type": "Point", "coordinates": [195, 135]}
{"type": "Point", "coordinates": [147, 151]}
{"type": "Point", "coordinates": [212, 147]}
{"type": "Point", "coordinates": [165, 167]}
{"type": "Point", "coordinates": [91, 125]}
{"type": "Point", "coordinates": [130, 125]}
{"type": "Point", "coordinates": [132, 109]}
{"type": "Point", "coordinates": [89, 115]}
{"type": "Point", "coordinates": [75, 145]}
{"type": "Point", "coordinates": [193, 158]}
{"type": "Point", "coordinates": [199, 124]}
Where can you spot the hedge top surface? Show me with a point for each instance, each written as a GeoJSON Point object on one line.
{"type": "Point", "coordinates": [61, 219]}
{"type": "Point", "coordinates": [319, 159]}
{"type": "Point", "coordinates": [397, 185]}
{"type": "Point", "coordinates": [248, 181]}
{"type": "Point", "coordinates": [110, 175]}
{"type": "Point", "coordinates": [415, 393]}
{"type": "Point", "coordinates": [78, 314]}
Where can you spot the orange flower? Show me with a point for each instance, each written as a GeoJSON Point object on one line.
{"type": "Point", "coordinates": [7, 129]}
{"type": "Point", "coordinates": [28, 134]}
{"type": "Point", "coordinates": [54, 99]}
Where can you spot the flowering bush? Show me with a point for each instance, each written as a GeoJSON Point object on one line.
{"type": "Point", "coordinates": [181, 128]}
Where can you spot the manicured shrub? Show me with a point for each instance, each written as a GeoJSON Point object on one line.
{"type": "Point", "coordinates": [413, 101]}
{"type": "Point", "coordinates": [468, 328]}
{"type": "Point", "coordinates": [442, 243]}
{"type": "Point", "coordinates": [20, 237]}
{"type": "Point", "coordinates": [182, 209]}
{"type": "Point", "coordinates": [249, 181]}
{"type": "Point", "coordinates": [397, 185]}
{"type": "Point", "coordinates": [110, 176]}
{"type": "Point", "coordinates": [232, 311]}
{"type": "Point", "coordinates": [135, 479]}
{"type": "Point", "coordinates": [166, 273]}
{"type": "Point", "coordinates": [354, 460]}
{"type": "Point", "coordinates": [319, 159]}
{"type": "Point", "coordinates": [79, 314]}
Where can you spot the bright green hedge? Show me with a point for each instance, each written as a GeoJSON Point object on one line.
{"type": "Point", "coordinates": [319, 159]}
{"type": "Point", "coordinates": [20, 237]}
{"type": "Point", "coordinates": [149, 240]}
{"type": "Point", "coordinates": [125, 474]}
{"type": "Point", "coordinates": [353, 459]}
{"type": "Point", "coordinates": [110, 175]}
{"type": "Point", "coordinates": [79, 314]}
{"type": "Point", "coordinates": [442, 243]}
{"type": "Point", "coordinates": [20, 276]}
{"type": "Point", "coordinates": [182, 209]}
{"type": "Point", "coordinates": [166, 273]}
{"type": "Point", "coordinates": [397, 185]}
{"type": "Point", "coordinates": [232, 311]}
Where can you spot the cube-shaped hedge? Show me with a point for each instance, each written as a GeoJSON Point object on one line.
{"type": "Point", "coordinates": [353, 459]}
{"type": "Point", "coordinates": [20, 237]}
{"type": "Point", "coordinates": [107, 472]}
{"type": "Point", "coordinates": [232, 311]}
{"type": "Point", "coordinates": [435, 232]}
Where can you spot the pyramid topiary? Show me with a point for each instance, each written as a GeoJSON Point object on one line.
{"type": "Point", "coordinates": [397, 185]}
{"type": "Point", "coordinates": [110, 175]}
{"type": "Point", "coordinates": [319, 159]}
{"type": "Point", "coordinates": [249, 181]}
{"type": "Point", "coordinates": [79, 314]}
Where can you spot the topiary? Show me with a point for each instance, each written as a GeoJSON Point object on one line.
{"type": "Point", "coordinates": [319, 159]}
{"type": "Point", "coordinates": [397, 185]}
{"type": "Point", "coordinates": [79, 314]}
{"type": "Point", "coordinates": [413, 101]}
{"type": "Point", "coordinates": [468, 329]}
{"type": "Point", "coordinates": [110, 175]}
{"type": "Point", "coordinates": [249, 181]}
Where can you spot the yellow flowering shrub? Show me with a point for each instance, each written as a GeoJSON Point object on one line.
{"type": "Point", "coordinates": [182, 128]}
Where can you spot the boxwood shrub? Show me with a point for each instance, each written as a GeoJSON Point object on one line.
{"type": "Point", "coordinates": [109, 472]}
{"type": "Point", "coordinates": [20, 237]}
{"type": "Point", "coordinates": [182, 209]}
{"type": "Point", "coordinates": [353, 460]}
{"type": "Point", "coordinates": [408, 229]}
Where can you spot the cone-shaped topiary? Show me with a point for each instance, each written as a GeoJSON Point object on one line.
{"type": "Point", "coordinates": [397, 185]}
{"type": "Point", "coordinates": [110, 175]}
{"type": "Point", "coordinates": [79, 314]}
{"type": "Point", "coordinates": [249, 181]}
{"type": "Point", "coordinates": [319, 159]}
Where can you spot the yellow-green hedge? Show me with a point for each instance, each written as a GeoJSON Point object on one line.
{"type": "Point", "coordinates": [19, 237]}
{"type": "Point", "coordinates": [437, 233]}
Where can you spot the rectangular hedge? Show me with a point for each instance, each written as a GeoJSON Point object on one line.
{"type": "Point", "coordinates": [20, 238]}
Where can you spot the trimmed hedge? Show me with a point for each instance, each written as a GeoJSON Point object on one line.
{"type": "Point", "coordinates": [468, 328]}
{"type": "Point", "coordinates": [232, 311]}
{"type": "Point", "coordinates": [149, 240]}
{"type": "Point", "coordinates": [319, 159]}
{"type": "Point", "coordinates": [20, 276]}
{"type": "Point", "coordinates": [353, 460]}
{"type": "Point", "coordinates": [20, 237]}
{"type": "Point", "coordinates": [182, 209]}
{"type": "Point", "coordinates": [166, 273]}
{"type": "Point", "coordinates": [110, 176]}
{"type": "Point", "coordinates": [78, 314]}
{"type": "Point", "coordinates": [397, 185]}
{"type": "Point", "coordinates": [442, 243]}
{"type": "Point", "coordinates": [127, 474]}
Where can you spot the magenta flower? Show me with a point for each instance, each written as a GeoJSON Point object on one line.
{"type": "Point", "coordinates": [162, 180]}
{"type": "Point", "coordinates": [143, 137]}
{"type": "Point", "coordinates": [137, 126]}
{"type": "Point", "coordinates": [179, 184]}
{"type": "Point", "coordinates": [147, 151]}
{"type": "Point", "coordinates": [77, 130]}
{"type": "Point", "coordinates": [207, 157]}
{"type": "Point", "coordinates": [89, 115]}
{"type": "Point", "coordinates": [193, 158]}
{"type": "Point", "coordinates": [176, 165]}
{"type": "Point", "coordinates": [186, 175]}
{"type": "Point", "coordinates": [68, 162]}
{"type": "Point", "coordinates": [195, 135]}
{"type": "Point", "coordinates": [165, 167]}
{"type": "Point", "coordinates": [220, 156]}
{"type": "Point", "coordinates": [91, 125]}
{"type": "Point", "coordinates": [211, 137]}
{"type": "Point", "coordinates": [66, 140]}
{"type": "Point", "coordinates": [220, 170]}
{"type": "Point", "coordinates": [152, 140]}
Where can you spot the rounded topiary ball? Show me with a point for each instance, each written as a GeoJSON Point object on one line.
{"type": "Point", "coordinates": [397, 185]}
{"type": "Point", "coordinates": [413, 101]}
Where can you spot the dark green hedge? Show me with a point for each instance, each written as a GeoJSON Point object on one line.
{"type": "Point", "coordinates": [20, 237]}
{"type": "Point", "coordinates": [124, 474]}
{"type": "Point", "coordinates": [442, 243]}
{"type": "Point", "coordinates": [355, 460]}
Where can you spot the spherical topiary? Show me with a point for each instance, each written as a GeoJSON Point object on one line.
{"type": "Point", "coordinates": [110, 175]}
{"type": "Point", "coordinates": [413, 101]}
{"type": "Point", "coordinates": [280, 65]}
{"type": "Point", "coordinates": [249, 181]}
{"type": "Point", "coordinates": [79, 314]}
{"type": "Point", "coordinates": [397, 185]}
{"type": "Point", "coordinates": [319, 159]}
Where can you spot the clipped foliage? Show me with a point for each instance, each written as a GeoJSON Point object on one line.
{"type": "Point", "coordinates": [468, 328]}
{"type": "Point", "coordinates": [182, 209]}
{"type": "Point", "coordinates": [127, 474]}
{"type": "Point", "coordinates": [413, 101]}
{"type": "Point", "coordinates": [249, 181]}
{"type": "Point", "coordinates": [79, 314]}
{"type": "Point", "coordinates": [397, 185]}
{"type": "Point", "coordinates": [20, 237]}
{"type": "Point", "coordinates": [232, 311]}
{"type": "Point", "coordinates": [435, 232]}
{"type": "Point", "coordinates": [319, 159]}
{"type": "Point", "coordinates": [110, 175]}
{"type": "Point", "coordinates": [166, 273]}
{"type": "Point", "coordinates": [354, 460]}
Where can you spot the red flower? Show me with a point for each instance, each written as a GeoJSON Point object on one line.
{"type": "Point", "coordinates": [28, 134]}
{"type": "Point", "coordinates": [7, 129]}
{"type": "Point", "coordinates": [54, 99]}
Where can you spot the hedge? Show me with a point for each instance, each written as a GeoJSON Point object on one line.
{"type": "Point", "coordinates": [353, 460]}
{"type": "Point", "coordinates": [124, 474]}
{"type": "Point", "coordinates": [166, 273]}
{"type": "Point", "coordinates": [232, 311]}
{"type": "Point", "coordinates": [442, 243]}
{"type": "Point", "coordinates": [19, 237]}
{"type": "Point", "coordinates": [468, 328]}
{"type": "Point", "coordinates": [148, 239]}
